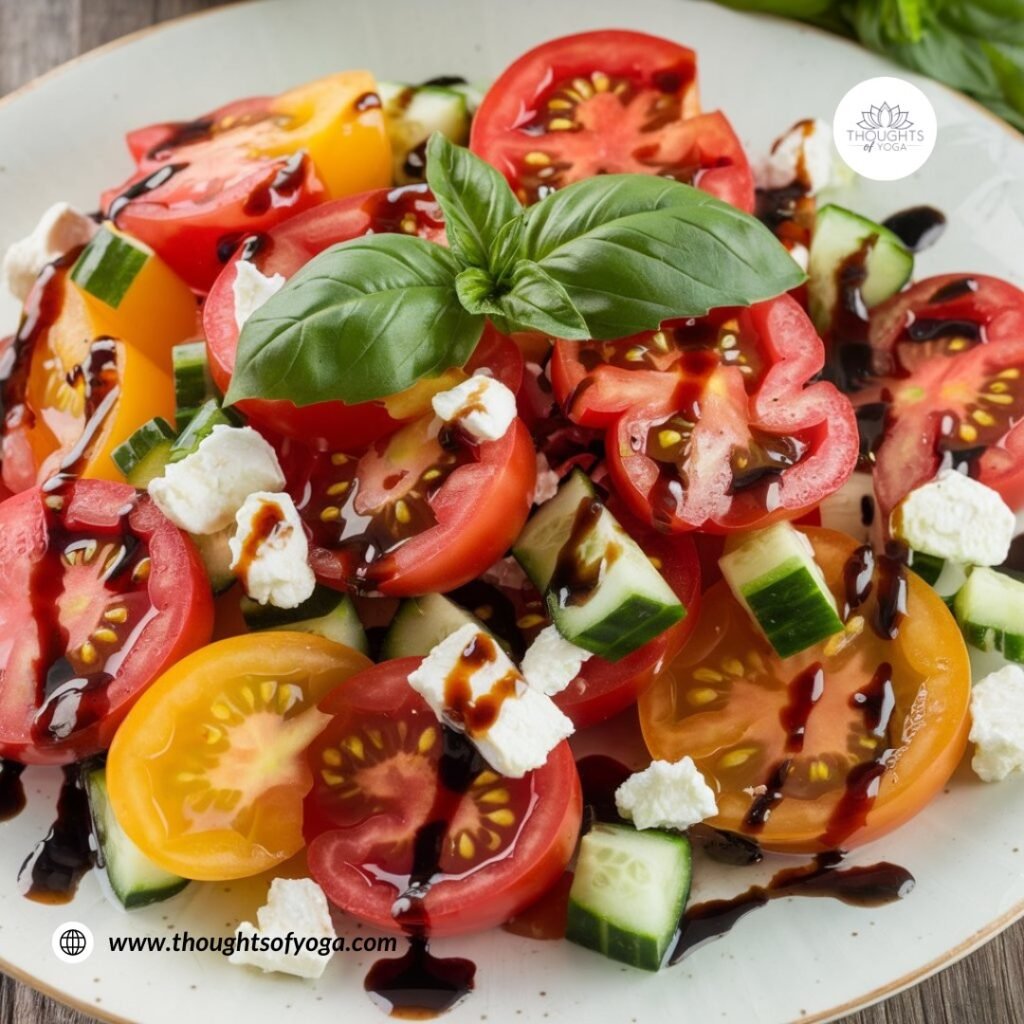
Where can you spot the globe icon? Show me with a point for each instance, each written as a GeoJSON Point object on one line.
{"type": "Point", "coordinates": [72, 942]}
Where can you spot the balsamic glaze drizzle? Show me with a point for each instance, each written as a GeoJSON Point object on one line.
{"type": "Point", "coordinates": [12, 792]}
{"type": "Point", "coordinates": [917, 227]}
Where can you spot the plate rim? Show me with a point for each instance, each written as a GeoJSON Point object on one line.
{"type": "Point", "coordinates": [947, 959]}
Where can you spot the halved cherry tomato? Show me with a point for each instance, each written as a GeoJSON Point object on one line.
{"type": "Point", "coordinates": [514, 611]}
{"type": "Point", "coordinates": [423, 510]}
{"type": "Point", "coordinates": [207, 774]}
{"type": "Point", "coordinates": [200, 186]}
{"type": "Point", "coordinates": [950, 351]}
{"type": "Point", "coordinates": [602, 103]}
{"type": "Point", "coordinates": [712, 423]}
{"type": "Point", "coordinates": [384, 770]}
{"type": "Point", "coordinates": [286, 249]}
{"type": "Point", "coordinates": [74, 395]}
{"type": "Point", "coordinates": [829, 748]}
{"type": "Point", "coordinates": [99, 594]}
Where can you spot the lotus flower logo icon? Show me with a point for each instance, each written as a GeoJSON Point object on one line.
{"type": "Point", "coordinates": [884, 117]}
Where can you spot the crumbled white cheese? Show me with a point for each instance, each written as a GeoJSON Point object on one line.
{"type": "Point", "coordinates": [279, 572]}
{"type": "Point", "coordinates": [295, 917]}
{"type": "Point", "coordinates": [482, 406]}
{"type": "Point", "coordinates": [528, 726]}
{"type": "Point", "coordinates": [59, 230]}
{"type": "Point", "coordinates": [957, 518]}
{"type": "Point", "coordinates": [547, 481]}
{"type": "Point", "coordinates": [801, 255]}
{"type": "Point", "coordinates": [666, 794]}
{"type": "Point", "coordinates": [997, 730]}
{"type": "Point", "coordinates": [551, 663]}
{"type": "Point", "coordinates": [252, 289]}
{"type": "Point", "coordinates": [202, 493]}
{"type": "Point", "coordinates": [805, 154]}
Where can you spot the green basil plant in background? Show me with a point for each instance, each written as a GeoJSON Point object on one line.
{"type": "Point", "coordinates": [976, 46]}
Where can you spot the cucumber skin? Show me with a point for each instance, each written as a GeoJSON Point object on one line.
{"type": "Point", "coordinates": [989, 638]}
{"type": "Point", "coordinates": [608, 640]}
{"type": "Point", "coordinates": [928, 567]}
{"type": "Point", "coordinates": [107, 267]}
{"type": "Point", "coordinates": [316, 615]}
{"type": "Point", "coordinates": [138, 468]}
{"type": "Point", "coordinates": [587, 928]}
{"type": "Point", "coordinates": [792, 632]}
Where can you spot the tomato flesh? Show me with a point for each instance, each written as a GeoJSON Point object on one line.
{"type": "Point", "coordinates": [712, 424]}
{"type": "Point", "coordinates": [604, 103]}
{"type": "Point", "coordinates": [408, 829]}
{"type": "Point", "coordinates": [207, 773]}
{"type": "Point", "coordinates": [831, 747]}
{"type": "Point", "coordinates": [99, 594]}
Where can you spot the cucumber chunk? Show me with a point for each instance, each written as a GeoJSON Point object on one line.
{"type": "Point", "coordinates": [773, 574]}
{"type": "Point", "coordinates": [135, 880]}
{"type": "Point", "coordinates": [990, 610]}
{"type": "Point", "coordinates": [412, 114]}
{"type": "Point", "coordinates": [215, 551]}
{"type": "Point", "coordinates": [327, 613]}
{"type": "Point", "coordinates": [840, 234]}
{"type": "Point", "coordinates": [108, 266]}
{"type": "Point", "coordinates": [602, 591]}
{"type": "Point", "coordinates": [200, 427]}
{"type": "Point", "coordinates": [193, 385]}
{"type": "Point", "coordinates": [145, 454]}
{"type": "Point", "coordinates": [628, 893]}
{"type": "Point", "coordinates": [421, 623]}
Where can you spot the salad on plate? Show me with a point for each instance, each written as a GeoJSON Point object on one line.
{"type": "Point", "coordinates": [372, 445]}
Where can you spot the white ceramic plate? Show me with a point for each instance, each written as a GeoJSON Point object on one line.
{"type": "Point", "coordinates": [797, 959]}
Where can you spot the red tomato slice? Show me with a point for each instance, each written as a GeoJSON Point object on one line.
{"type": "Point", "coordinates": [385, 772]}
{"type": "Point", "coordinates": [712, 423]}
{"type": "Point", "coordinates": [423, 510]}
{"type": "Point", "coordinates": [951, 350]}
{"type": "Point", "coordinates": [602, 103]}
{"type": "Point", "coordinates": [285, 250]}
{"type": "Point", "coordinates": [514, 611]}
{"type": "Point", "coordinates": [99, 594]}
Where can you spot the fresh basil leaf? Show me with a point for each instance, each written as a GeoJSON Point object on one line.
{"type": "Point", "coordinates": [537, 302]}
{"type": "Point", "coordinates": [476, 200]}
{"type": "Point", "coordinates": [632, 251]}
{"type": "Point", "coordinates": [475, 289]}
{"type": "Point", "coordinates": [362, 320]}
{"type": "Point", "coordinates": [506, 250]}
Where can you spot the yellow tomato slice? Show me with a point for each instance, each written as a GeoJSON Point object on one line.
{"type": "Point", "coordinates": [207, 774]}
{"type": "Point", "coordinates": [831, 747]}
{"type": "Point", "coordinates": [339, 122]}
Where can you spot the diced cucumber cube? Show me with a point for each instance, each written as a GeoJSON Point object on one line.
{"type": "Point", "coordinates": [421, 623]}
{"type": "Point", "coordinates": [990, 610]}
{"type": "Point", "coordinates": [145, 454]}
{"type": "Point", "coordinates": [108, 265]}
{"type": "Point", "coordinates": [328, 613]}
{"type": "Point", "coordinates": [193, 385]}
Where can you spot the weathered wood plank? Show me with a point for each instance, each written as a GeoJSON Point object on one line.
{"type": "Point", "coordinates": [987, 988]}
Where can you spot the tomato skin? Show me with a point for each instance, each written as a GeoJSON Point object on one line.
{"type": "Point", "coordinates": [781, 402]}
{"type": "Point", "coordinates": [610, 89]}
{"type": "Point", "coordinates": [744, 692]}
{"type": "Point", "coordinates": [479, 512]}
{"type": "Point", "coordinates": [177, 589]}
{"type": "Point", "coordinates": [236, 715]}
{"type": "Point", "coordinates": [929, 385]}
{"type": "Point", "coordinates": [285, 250]}
{"type": "Point", "coordinates": [485, 896]}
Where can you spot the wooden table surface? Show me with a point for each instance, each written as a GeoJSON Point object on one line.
{"type": "Point", "coordinates": [986, 988]}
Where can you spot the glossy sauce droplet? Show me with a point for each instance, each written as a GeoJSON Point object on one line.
{"type": "Point", "coordinates": [12, 792]}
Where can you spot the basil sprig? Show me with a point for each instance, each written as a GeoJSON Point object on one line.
{"type": "Point", "coordinates": [604, 258]}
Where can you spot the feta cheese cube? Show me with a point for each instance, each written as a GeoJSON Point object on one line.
{"type": "Point", "coordinates": [801, 255]}
{"type": "Point", "coordinates": [202, 493]}
{"type": "Point", "coordinates": [295, 918]}
{"type": "Point", "coordinates": [252, 289]}
{"type": "Point", "coordinates": [270, 536]}
{"type": "Point", "coordinates": [552, 662]}
{"type": "Point", "coordinates": [804, 154]}
{"type": "Point", "coordinates": [547, 481]}
{"type": "Point", "coordinates": [666, 794]}
{"type": "Point", "coordinates": [527, 727]}
{"type": "Point", "coordinates": [957, 518]}
{"type": "Point", "coordinates": [59, 230]}
{"type": "Point", "coordinates": [482, 406]}
{"type": "Point", "coordinates": [997, 730]}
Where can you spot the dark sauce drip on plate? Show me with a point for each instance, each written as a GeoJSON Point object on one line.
{"type": "Point", "coordinates": [917, 227]}
{"type": "Point", "coordinates": [51, 872]}
{"type": "Point", "coordinates": [870, 886]}
{"type": "Point", "coordinates": [418, 985]}
{"type": "Point", "coordinates": [12, 792]}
